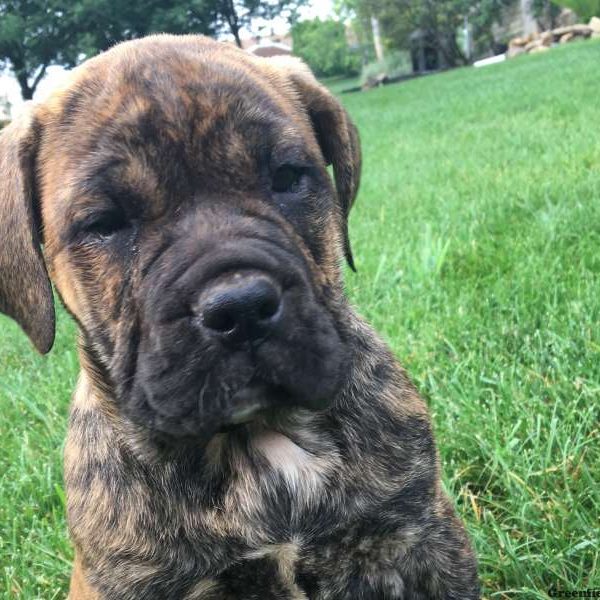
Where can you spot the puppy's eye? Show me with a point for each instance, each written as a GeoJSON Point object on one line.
{"type": "Point", "coordinates": [286, 179]}
{"type": "Point", "coordinates": [106, 224]}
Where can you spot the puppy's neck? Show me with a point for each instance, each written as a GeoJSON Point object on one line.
{"type": "Point", "coordinates": [288, 443]}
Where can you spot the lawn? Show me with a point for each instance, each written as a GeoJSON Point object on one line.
{"type": "Point", "coordinates": [477, 240]}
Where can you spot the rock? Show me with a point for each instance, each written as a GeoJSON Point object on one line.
{"type": "Point", "coordinates": [594, 25]}
{"type": "Point", "coordinates": [369, 84]}
{"type": "Point", "coordinates": [539, 49]}
{"type": "Point", "coordinates": [375, 81]}
{"type": "Point", "coordinates": [596, 34]}
{"type": "Point", "coordinates": [566, 38]}
{"type": "Point", "coordinates": [532, 45]}
{"type": "Point", "coordinates": [546, 38]}
{"type": "Point", "coordinates": [566, 17]}
{"type": "Point", "coordinates": [517, 42]}
{"type": "Point", "coordinates": [579, 29]}
{"type": "Point", "coordinates": [515, 51]}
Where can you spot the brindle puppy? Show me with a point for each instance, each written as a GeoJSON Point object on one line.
{"type": "Point", "coordinates": [237, 430]}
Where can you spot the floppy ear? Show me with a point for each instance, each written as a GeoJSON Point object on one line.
{"type": "Point", "coordinates": [335, 132]}
{"type": "Point", "coordinates": [25, 290]}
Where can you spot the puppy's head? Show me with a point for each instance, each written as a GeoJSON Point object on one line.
{"type": "Point", "coordinates": [180, 189]}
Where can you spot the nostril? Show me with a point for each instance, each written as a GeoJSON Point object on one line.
{"type": "Point", "coordinates": [268, 308]}
{"type": "Point", "coordinates": [239, 308]}
{"type": "Point", "coordinates": [219, 319]}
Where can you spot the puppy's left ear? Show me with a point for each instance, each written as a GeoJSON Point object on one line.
{"type": "Point", "coordinates": [25, 290]}
{"type": "Point", "coordinates": [335, 132]}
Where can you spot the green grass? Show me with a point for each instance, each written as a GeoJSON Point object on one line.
{"type": "Point", "coordinates": [477, 239]}
{"type": "Point", "coordinates": [339, 84]}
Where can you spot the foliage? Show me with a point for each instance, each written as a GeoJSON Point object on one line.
{"type": "Point", "coordinates": [102, 23]}
{"type": "Point", "coordinates": [438, 20]}
{"type": "Point", "coordinates": [324, 47]}
{"type": "Point", "coordinates": [585, 9]}
{"type": "Point", "coordinates": [35, 34]}
{"type": "Point", "coordinates": [232, 15]}
{"type": "Point", "coordinates": [546, 13]}
{"type": "Point", "coordinates": [394, 64]}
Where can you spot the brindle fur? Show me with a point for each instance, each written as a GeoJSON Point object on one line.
{"type": "Point", "coordinates": [327, 503]}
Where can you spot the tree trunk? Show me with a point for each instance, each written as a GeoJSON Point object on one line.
{"type": "Point", "coordinates": [231, 16]}
{"type": "Point", "coordinates": [377, 38]}
{"type": "Point", "coordinates": [235, 30]}
{"type": "Point", "coordinates": [26, 89]}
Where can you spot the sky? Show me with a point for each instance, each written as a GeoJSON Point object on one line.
{"type": "Point", "coordinates": [9, 88]}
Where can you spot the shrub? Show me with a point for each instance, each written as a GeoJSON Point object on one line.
{"type": "Point", "coordinates": [585, 9]}
{"type": "Point", "coordinates": [324, 47]}
{"type": "Point", "coordinates": [395, 64]}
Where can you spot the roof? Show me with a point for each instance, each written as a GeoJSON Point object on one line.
{"type": "Point", "coordinates": [269, 49]}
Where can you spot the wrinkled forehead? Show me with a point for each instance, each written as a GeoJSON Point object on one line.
{"type": "Point", "coordinates": [176, 100]}
{"type": "Point", "coordinates": [173, 119]}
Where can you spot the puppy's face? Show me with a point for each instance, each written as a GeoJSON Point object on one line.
{"type": "Point", "coordinates": [191, 228]}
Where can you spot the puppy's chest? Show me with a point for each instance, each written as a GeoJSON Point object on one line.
{"type": "Point", "coordinates": [283, 527]}
{"type": "Point", "coordinates": [269, 572]}
{"type": "Point", "coordinates": [348, 569]}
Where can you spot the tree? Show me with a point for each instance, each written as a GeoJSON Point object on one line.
{"type": "Point", "coordinates": [232, 15]}
{"type": "Point", "coordinates": [35, 34]}
{"type": "Point", "coordinates": [437, 20]}
{"type": "Point", "coordinates": [121, 19]}
{"type": "Point", "coordinates": [585, 9]}
{"type": "Point", "coordinates": [546, 13]}
{"type": "Point", "coordinates": [324, 47]}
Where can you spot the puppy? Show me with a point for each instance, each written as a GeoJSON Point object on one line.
{"type": "Point", "coordinates": [237, 430]}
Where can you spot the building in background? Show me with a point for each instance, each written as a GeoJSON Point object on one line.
{"type": "Point", "coordinates": [266, 46]}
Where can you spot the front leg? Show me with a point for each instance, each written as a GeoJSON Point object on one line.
{"type": "Point", "coordinates": [80, 589]}
{"type": "Point", "coordinates": [429, 558]}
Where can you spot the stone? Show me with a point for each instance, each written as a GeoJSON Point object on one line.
{"type": "Point", "coordinates": [515, 51]}
{"type": "Point", "coordinates": [517, 42]}
{"type": "Point", "coordinates": [594, 25]}
{"type": "Point", "coordinates": [566, 38]}
{"type": "Point", "coordinates": [566, 17]}
{"type": "Point", "coordinates": [583, 30]}
{"type": "Point", "coordinates": [579, 29]}
{"type": "Point", "coordinates": [547, 38]}
{"type": "Point", "coordinates": [539, 49]}
{"type": "Point", "coordinates": [596, 34]}
{"type": "Point", "coordinates": [532, 45]}
{"type": "Point", "coordinates": [375, 81]}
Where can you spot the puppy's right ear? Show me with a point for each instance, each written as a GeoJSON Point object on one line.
{"type": "Point", "coordinates": [25, 290]}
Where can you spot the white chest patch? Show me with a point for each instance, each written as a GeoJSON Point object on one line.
{"type": "Point", "coordinates": [300, 469]}
{"type": "Point", "coordinates": [281, 452]}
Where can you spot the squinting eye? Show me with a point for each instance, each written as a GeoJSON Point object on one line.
{"type": "Point", "coordinates": [287, 179]}
{"type": "Point", "coordinates": [106, 224]}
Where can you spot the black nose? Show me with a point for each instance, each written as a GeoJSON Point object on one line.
{"type": "Point", "coordinates": [241, 308]}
